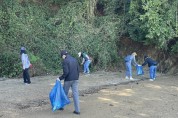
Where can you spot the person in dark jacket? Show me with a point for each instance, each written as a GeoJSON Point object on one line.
{"type": "Point", "coordinates": [152, 64]}
{"type": "Point", "coordinates": [70, 76]}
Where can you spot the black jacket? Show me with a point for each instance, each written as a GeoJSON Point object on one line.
{"type": "Point", "coordinates": [70, 69]}
{"type": "Point", "coordinates": [150, 62]}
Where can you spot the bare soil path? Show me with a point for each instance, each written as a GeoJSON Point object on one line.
{"type": "Point", "coordinates": [102, 95]}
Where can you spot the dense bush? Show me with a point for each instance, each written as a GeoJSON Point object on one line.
{"type": "Point", "coordinates": [10, 64]}
{"type": "Point", "coordinates": [44, 31]}
{"type": "Point", "coordinates": [45, 27]}
{"type": "Point", "coordinates": [153, 22]}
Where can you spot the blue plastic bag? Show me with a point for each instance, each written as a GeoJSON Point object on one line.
{"type": "Point", "coordinates": [139, 70]}
{"type": "Point", "coordinates": [58, 97]}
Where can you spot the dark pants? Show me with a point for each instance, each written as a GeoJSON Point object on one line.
{"type": "Point", "coordinates": [26, 76]}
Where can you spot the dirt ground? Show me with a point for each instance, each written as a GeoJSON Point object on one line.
{"type": "Point", "coordinates": [102, 95]}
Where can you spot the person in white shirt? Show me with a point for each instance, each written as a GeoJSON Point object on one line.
{"type": "Point", "coordinates": [25, 64]}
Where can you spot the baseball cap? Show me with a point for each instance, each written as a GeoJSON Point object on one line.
{"type": "Point", "coordinates": [63, 52]}
{"type": "Point", "coordinates": [79, 54]}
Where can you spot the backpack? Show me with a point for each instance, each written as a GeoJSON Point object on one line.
{"type": "Point", "coordinates": [127, 58]}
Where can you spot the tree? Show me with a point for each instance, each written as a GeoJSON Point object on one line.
{"type": "Point", "coordinates": [155, 19]}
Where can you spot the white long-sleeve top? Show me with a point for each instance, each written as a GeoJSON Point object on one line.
{"type": "Point", "coordinates": [25, 61]}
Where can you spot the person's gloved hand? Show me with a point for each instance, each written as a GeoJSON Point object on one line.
{"type": "Point", "coordinates": [58, 79]}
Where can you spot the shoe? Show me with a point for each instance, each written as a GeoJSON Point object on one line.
{"type": "Point", "coordinates": [61, 109]}
{"type": "Point", "coordinates": [151, 80]}
{"type": "Point", "coordinates": [86, 73]}
{"type": "Point", "coordinates": [126, 77]}
{"type": "Point", "coordinates": [154, 78]}
{"type": "Point", "coordinates": [77, 113]}
{"type": "Point", "coordinates": [131, 78]}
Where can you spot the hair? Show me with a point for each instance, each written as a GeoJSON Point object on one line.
{"type": "Point", "coordinates": [134, 53]}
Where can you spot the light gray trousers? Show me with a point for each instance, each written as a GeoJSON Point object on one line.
{"type": "Point", "coordinates": [74, 86]}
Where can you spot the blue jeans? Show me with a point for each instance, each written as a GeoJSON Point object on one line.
{"type": "Point", "coordinates": [128, 69]}
{"type": "Point", "coordinates": [152, 70]}
{"type": "Point", "coordinates": [74, 85]}
{"type": "Point", "coordinates": [86, 66]}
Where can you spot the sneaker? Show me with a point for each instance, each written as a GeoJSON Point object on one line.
{"type": "Point", "coordinates": [86, 73]}
{"type": "Point", "coordinates": [151, 80]}
{"type": "Point", "coordinates": [77, 113]}
{"type": "Point", "coordinates": [126, 77]}
{"type": "Point", "coordinates": [131, 78]}
{"type": "Point", "coordinates": [27, 84]}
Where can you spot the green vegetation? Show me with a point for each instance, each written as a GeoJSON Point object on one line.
{"type": "Point", "coordinates": [94, 26]}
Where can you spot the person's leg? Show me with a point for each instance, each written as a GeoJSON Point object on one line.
{"type": "Point", "coordinates": [127, 74]}
{"type": "Point", "coordinates": [87, 66]}
{"type": "Point", "coordinates": [84, 67]}
{"type": "Point", "coordinates": [130, 70]}
{"type": "Point", "coordinates": [27, 76]}
{"type": "Point", "coordinates": [75, 94]}
{"type": "Point", "coordinates": [154, 72]}
{"type": "Point", "coordinates": [67, 85]}
{"type": "Point", "coordinates": [151, 70]}
{"type": "Point", "coordinates": [24, 77]}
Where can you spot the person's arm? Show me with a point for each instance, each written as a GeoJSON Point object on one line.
{"type": "Point", "coordinates": [145, 63]}
{"type": "Point", "coordinates": [78, 68]}
{"type": "Point", "coordinates": [23, 61]}
{"type": "Point", "coordinates": [134, 61]}
{"type": "Point", "coordinates": [87, 57]}
{"type": "Point", "coordinates": [65, 71]}
{"type": "Point", "coordinates": [83, 60]}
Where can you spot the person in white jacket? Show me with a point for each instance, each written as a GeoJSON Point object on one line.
{"type": "Point", "coordinates": [26, 64]}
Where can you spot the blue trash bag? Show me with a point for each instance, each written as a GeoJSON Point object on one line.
{"type": "Point", "coordinates": [58, 97]}
{"type": "Point", "coordinates": [139, 70]}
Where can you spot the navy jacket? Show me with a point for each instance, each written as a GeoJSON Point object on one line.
{"type": "Point", "coordinates": [150, 62]}
{"type": "Point", "coordinates": [70, 69]}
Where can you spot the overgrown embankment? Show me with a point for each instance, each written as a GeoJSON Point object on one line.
{"type": "Point", "coordinates": [45, 27]}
